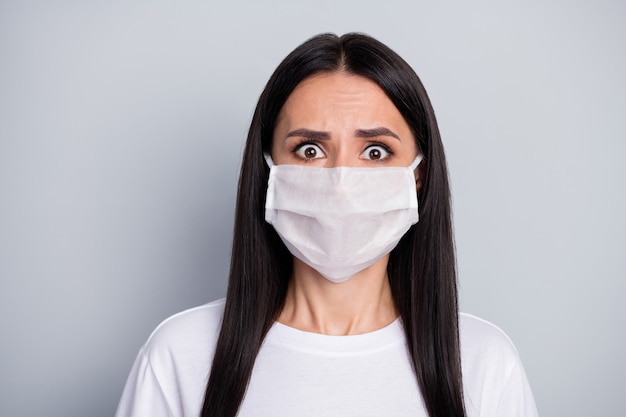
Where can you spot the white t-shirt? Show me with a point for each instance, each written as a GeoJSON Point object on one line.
{"type": "Point", "coordinates": [301, 374]}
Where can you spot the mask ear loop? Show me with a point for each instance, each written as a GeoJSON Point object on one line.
{"type": "Point", "coordinates": [416, 161]}
{"type": "Point", "coordinates": [268, 159]}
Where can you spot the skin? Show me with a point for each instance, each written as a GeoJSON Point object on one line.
{"type": "Point", "coordinates": [329, 120]}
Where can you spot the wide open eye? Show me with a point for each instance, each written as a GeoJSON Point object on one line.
{"type": "Point", "coordinates": [376, 153]}
{"type": "Point", "coordinates": [309, 151]}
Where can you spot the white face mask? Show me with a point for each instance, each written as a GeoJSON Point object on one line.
{"type": "Point", "coordinates": [341, 220]}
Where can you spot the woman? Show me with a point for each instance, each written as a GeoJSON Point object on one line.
{"type": "Point", "coordinates": [340, 302]}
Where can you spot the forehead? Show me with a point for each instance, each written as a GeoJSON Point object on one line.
{"type": "Point", "coordinates": [338, 82]}
{"type": "Point", "coordinates": [327, 98]}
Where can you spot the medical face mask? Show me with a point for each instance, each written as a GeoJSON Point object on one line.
{"type": "Point", "coordinates": [341, 220]}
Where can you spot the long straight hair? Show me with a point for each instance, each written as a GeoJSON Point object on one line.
{"type": "Point", "coordinates": [421, 269]}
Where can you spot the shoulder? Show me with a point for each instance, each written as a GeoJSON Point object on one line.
{"type": "Point", "coordinates": [192, 330]}
{"type": "Point", "coordinates": [494, 380]}
{"type": "Point", "coordinates": [476, 332]}
{"type": "Point", "coordinates": [484, 344]}
{"type": "Point", "coordinates": [169, 375]}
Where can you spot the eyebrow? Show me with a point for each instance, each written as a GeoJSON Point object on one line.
{"type": "Point", "coordinates": [309, 134]}
{"type": "Point", "coordinates": [361, 133]}
{"type": "Point", "coordinates": [378, 131]}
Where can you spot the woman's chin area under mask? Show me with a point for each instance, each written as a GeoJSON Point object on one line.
{"type": "Point", "coordinates": [361, 304]}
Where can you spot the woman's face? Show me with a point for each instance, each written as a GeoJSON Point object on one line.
{"type": "Point", "coordinates": [338, 119]}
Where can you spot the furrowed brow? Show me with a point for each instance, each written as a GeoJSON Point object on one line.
{"type": "Point", "coordinates": [377, 131]}
{"type": "Point", "coordinates": [309, 134]}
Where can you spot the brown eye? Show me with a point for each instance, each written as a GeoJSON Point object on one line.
{"type": "Point", "coordinates": [375, 153]}
{"type": "Point", "coordinates": [309, 151]}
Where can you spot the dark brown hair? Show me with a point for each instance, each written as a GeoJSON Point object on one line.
{"type": "Point", "coordinates": [421, 269]}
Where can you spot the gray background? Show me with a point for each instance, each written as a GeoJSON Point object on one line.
{"type": "Point", "coordinates": [121, 131]}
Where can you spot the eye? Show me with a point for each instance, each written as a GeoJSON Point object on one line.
{"type": "Point", "coordinates": [309, 151]}
{"type": "Point", "coordinates": [376, 153]}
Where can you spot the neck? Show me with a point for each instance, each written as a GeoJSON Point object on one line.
{"type": "Point", "coordinates": [360, 305]}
